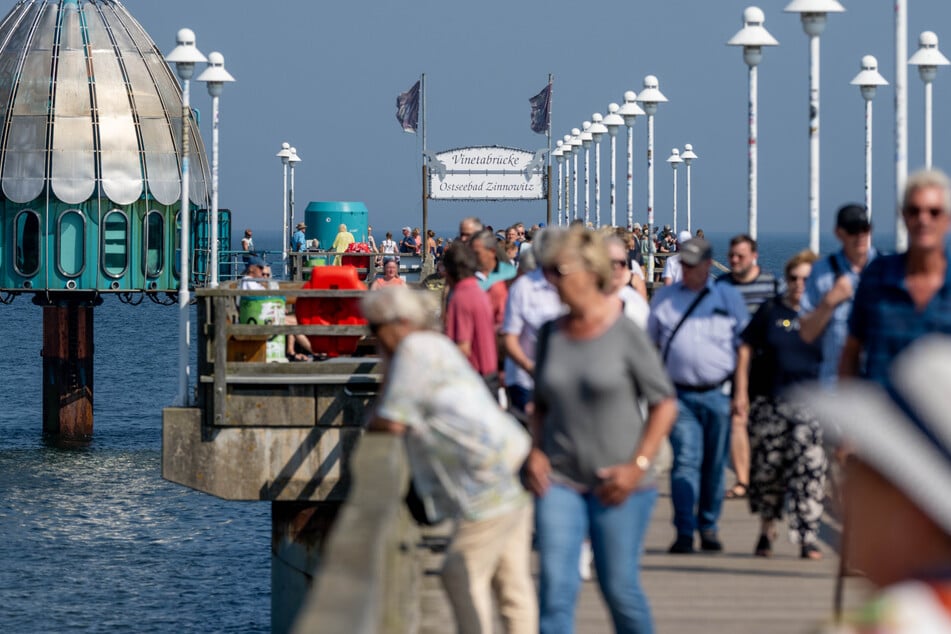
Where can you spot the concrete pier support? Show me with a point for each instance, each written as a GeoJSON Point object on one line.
{"type": "Point", "coordinates": [67, 369]}
{"type": "Point", "coordinates": [298, 533]}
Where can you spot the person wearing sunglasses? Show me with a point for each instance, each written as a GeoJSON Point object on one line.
{"type": "Point", "coordinates": [788, 461]}
{"type": "Point", "coordinates": [904, 296]}
{"type": "Point", "coordinates": [827, 301]}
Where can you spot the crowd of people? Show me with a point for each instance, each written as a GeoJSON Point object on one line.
{"type": "Point", "coordinates": [541, 383]}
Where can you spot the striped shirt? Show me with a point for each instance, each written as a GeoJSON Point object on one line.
{"type": "Point", "coordinates": [754, 292]}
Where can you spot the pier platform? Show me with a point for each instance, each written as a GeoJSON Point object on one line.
{"type": "Point", "coordinates": [730, 593]}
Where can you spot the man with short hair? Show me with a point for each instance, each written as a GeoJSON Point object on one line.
{"type": "Point", "coordinates": [904, 296]}
{"type": "Point", "coordinates": [298, 239]}
{"type": "Point", "coordinates": [468, 227]}
{"type": "Point", "coordinates": [672, 270]}
{"type": "Point", "coordinates": [827, 300]}
{"type": "Point", "coordinates": [696, 324]}
{"type": "Point", "coordinates": [491, 268]}
{"type": "Point", "coordinates": [407, 243]}
{"type": "Point", "coordinates": [756, 286]}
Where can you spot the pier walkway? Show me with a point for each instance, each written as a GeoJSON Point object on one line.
{"type": "Point", "coordinates": [732, 592]}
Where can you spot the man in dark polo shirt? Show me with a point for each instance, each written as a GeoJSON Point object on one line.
{"type": "Point", "coordinates": [468, 318]}
{"type": "Point", "coordinates": [756, 286]}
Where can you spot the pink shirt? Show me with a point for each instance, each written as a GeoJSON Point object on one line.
{"type": "Point", "coordinates": [469, 318]}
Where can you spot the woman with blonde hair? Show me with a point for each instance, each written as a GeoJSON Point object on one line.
{"type": "Point", "coordinates": [465, 453]}
{"type": "Point", "coordinates": [590, 467]}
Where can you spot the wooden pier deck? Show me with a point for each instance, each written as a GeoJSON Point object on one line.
{"type": "Point", "coordinates": [730, 593]}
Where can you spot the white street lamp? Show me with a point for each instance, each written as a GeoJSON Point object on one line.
{"type": "Point", "coordinates": [650, 97]}
{"type": "Point", "coordinates": [752, 37]}
{"type": "Point", "coordinates": [675, 161]}
{"type": "Point", "coordinates": [285, 156]}
{"type": "Point", "coordinates": [575, 144]}
{"type": "Point", "coordinates": [292, 161]}
{"type": "Point", "coordinates": [185, 55]}
{"type": "Point", "coordinates": [814, 15]}
{"type": "Point", "coordinates": [586, 139]}
{"type": "Point", "coordinates": [597, 131]}
{"type": "Point", "coordinates": [612, 122]}
{"type": "Point", "coordinates": [215, 77]}
{"type": "Point", "coordinates": [927, 58]}
{"type": "Point", "coordinates": [688, 156]}
{"type": "Point", "coordinates": [560, 160]}
{"type": "Point", "coordinates": [629, 112]}
{"type": "Point", "coordinates": [566, 149]}
{"type": "Point", "coordinates": [868, 82]}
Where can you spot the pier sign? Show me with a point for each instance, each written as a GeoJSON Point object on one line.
{"type": "Point", "coordinates": [487, 173]}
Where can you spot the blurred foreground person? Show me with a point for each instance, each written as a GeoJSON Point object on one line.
{"type": "Point", "coordinates": [591, 465]}
{"type": "Point", "coordinates": [465, 453]}
{"type": "Point", "coordinates": [896, 488]}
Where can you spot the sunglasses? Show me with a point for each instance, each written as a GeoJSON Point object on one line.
{"type": "Point", "coordinates": [797, 278]}
{"type": "Point", "coordinates": [619, 264]}
{"type": "Point", "coordinates": [914, 211]}
{"type": "Point", "coordinates": [559, 271]}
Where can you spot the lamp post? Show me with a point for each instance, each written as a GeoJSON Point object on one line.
{"type": "Point", "coordinates": [629, 112]}
{"type": "Point", "coordinates": [215, 77]}
{"type": "Point", "coordinates": [675, 161]}
{"type": "Point", "coordinates": [285, 156]}
{"type": "Point", "coordinates": [612, 122]}
{"type": "Point", "coordinates": [688, 156]}
{"type": "Point", "coordinates": [566, 149]}
{"type": "Point", "coordinates": [814, 14]}
{"type": "Point", "coordinates": [901, 119]}
{"type": "Point", "coordinates": [927, 58]}
{"type": "Point", "coordinates": [586, 139]}
{"type": "Point", "coordinates": [597, 131]}
{"type": "Point", "coordinates": [650, 97]}
{"type": "Point", "coordinates": [185, 55]}
{"type": "Point", "coordinates": [560, 160]}
{"type": "Point", "coordinates": [292, 161]}
{"type": "Point", "coordinates": [575, 144]}
{"type": "Point", "coordinates": [752, 37]}
{"type": "Point", "coordinates": [868, 81]}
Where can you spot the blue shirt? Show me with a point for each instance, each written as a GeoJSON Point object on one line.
{"type": "Point", "coordinates": [298, 241]}
{"type": "Point", "coordinates": [820, 282]}
{"type": "Point", "coordinates": [503, 271]}
{"type": "Point", "coordinates": [703, 352]}
{"type": "Point", "coordinates": [884, 317]}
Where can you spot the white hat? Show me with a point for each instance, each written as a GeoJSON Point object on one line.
{"type": "Point", "coordinates": [683, 236]}
{"type": "Point", "coordinates": [901, 429]}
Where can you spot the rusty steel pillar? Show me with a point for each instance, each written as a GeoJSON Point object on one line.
{"type": "Point", "coordinates": [67, 368]}
{"type": "Point", "coordinates": [298, 533]}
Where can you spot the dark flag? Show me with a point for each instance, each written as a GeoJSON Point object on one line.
{"type": "Point", "coordinates": [541, 110]}
{"type": "Point", "coordinates": [407, 108]}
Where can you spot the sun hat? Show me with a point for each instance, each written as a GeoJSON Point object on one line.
{"type": "Point", "coordinates": [301, 225]}
{"type": "Point", "coordinates": [903, 428]}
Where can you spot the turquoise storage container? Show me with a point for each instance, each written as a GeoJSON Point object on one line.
{"type": "Point", "coordinates": [323, 217]}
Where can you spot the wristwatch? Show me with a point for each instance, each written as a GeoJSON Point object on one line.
{"type": "Point", "coordinates": [643, 462]}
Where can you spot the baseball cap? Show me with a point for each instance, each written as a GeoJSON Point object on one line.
{"type": "Point", "coordinates": [406, 229]}
{"type": "Point", "coordinates": [694, 251]}
{"type": "Point", "coordinates": [853, 218]}
{"type": "Point", "coordinates": [256, 260]}
{"type": "Point", "coordinates": [683, 236]}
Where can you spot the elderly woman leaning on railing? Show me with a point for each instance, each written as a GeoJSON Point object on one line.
{"type": "Point", "coordinates": [465, 453]}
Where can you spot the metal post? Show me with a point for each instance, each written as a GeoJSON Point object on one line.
{"type": "Point", "coordinates": [650, 198]}
{"type": "Point", "coordinates": [868, 157]}
{"type": "Point", "coordinates": [574, 183]}
{"type": "Point", "coordinates": [630, 177]}
{"type": "Point", "coordinates": [290, 209]}
{"type": "Point", "coordinates": [929, 95]}
{"type": "Point", "coordinates": [752, 186]}
{"type": "Point", "coordinates": [675, 199]}
{"type": "Point", "coordinates": [689, 229]}
{"type": "Point", "coordinates": [613, 180]}
{"type": "Point", "coordinates": [587, 186]}
{"type": "Point", "coordinates": [901, 118]}
{"type": "Point", "coordinates": [284, 229]}
{"type": "Point", "coordinates": [427, 261]}
{"type": "Point", "coordinates": [214, 193]}
{"type": "Point", "coordinates": [597, 184]}
{"type": "Point", "coordinates": [548, 197]}
{"type": "Point", "coordinates": [567, 190]}
{"type": "Point", "coordinates": [814, 143]}
{"type": "Point", "coordinates": [184, 274]}
{"type": "Point", "coordinates": [559, 190]}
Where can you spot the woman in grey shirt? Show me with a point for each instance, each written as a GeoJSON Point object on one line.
{"type": "Point", "coordinates": [590, 464]}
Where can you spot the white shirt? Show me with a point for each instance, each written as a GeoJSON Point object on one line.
{"type": "Point", "coordinates": [388, 246]}
{"type": "Point", "coordinates": [673, 269]}
{"type": "Point", "coordinates": [532, 301]}
{"type": "Point", "coordinates": [636, 307]}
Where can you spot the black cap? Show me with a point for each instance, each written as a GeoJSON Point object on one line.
{"type": "Point", "coordinates": [853, 219]}
{"type": "Point", "coordinates": [694, 251]}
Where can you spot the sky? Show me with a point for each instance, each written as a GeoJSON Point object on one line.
{"type": "Point", "coordinates": [324, 76]}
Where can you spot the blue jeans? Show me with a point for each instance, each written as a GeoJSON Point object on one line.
{"type": "Point", "coordinates": [564, 517]}
{"type": "Point", "coordinates": [700, 440]}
